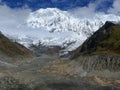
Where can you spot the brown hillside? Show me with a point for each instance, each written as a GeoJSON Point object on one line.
{"type": "Point", "coordinates": [12, 49]}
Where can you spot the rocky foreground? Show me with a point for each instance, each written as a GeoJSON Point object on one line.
{"type": "Point", "coordinates": [52, 73]}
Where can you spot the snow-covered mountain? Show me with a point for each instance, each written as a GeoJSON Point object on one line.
{"type": "Point", "coordinates": [55, 20]}
{"type": "Point", "coordinates": [52, 26]}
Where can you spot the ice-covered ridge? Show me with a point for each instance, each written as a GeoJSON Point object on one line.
{"type": "Point", "coordinates": [55, 20]}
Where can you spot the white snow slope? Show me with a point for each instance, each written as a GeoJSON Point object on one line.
{"type": "Point", "coordinates": [52, 26]}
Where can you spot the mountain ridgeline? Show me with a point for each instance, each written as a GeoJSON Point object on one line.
{"type": "Point", "coordinates": [105, 41]}
{"type": "Point", "coordinates": [101, 51]}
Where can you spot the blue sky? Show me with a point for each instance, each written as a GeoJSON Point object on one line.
{"type": "Point", "coordinates": [102, 5]}
{"type": "Point", "coordinates": [83, 7]}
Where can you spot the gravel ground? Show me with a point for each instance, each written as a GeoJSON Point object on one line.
{"type": "Point", "coordinates": [27, 76]}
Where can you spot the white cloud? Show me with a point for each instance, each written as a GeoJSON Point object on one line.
{"type": "Point", "coordinates": [87, 11]}
{"type": "Point", "coordinates": [115, 7]}
{"type": "Point", "coordinates": [12, 16]}
{"type": "Point", "coordinates": [90, 10]}
{"type": "Point", "coordinates": [10, 19]}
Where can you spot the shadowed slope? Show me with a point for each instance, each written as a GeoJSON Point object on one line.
{"type": "Point", "coordinates": [106, 41]}
{"type": "Point", "coordinates": [13, 49]}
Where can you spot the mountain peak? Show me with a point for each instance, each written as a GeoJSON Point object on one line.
{"type": "Point", "coordinates": [108, 24]}
{"type": "Point", "coordinates": [52, 26]}
{"type": "Point", "coordinates": [55, 20]}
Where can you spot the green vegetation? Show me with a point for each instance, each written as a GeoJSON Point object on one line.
{"type": "Point", "coordinates": [105, 41]}
{"type": "Point", "coordinates": [110, 42]}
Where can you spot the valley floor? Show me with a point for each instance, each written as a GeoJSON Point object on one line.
{"type": "Point", "coordinates": [42, 74]}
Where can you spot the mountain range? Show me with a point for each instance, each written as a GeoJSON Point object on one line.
{"type": "Point", "coordinates": [89, 49]}
{"type": "Point", "coordinates": [54, 27]}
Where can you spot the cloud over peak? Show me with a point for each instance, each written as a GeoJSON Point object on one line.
{"type": "Point", "coordinates": [115, 9]}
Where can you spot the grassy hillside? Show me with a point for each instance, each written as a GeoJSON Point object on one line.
{"type": "Point", "coordinates": [110, 42]}
{"type": "Point", "coordinates": [105, 41]}
{"type": "Point", "coordinates": [9, 48]}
